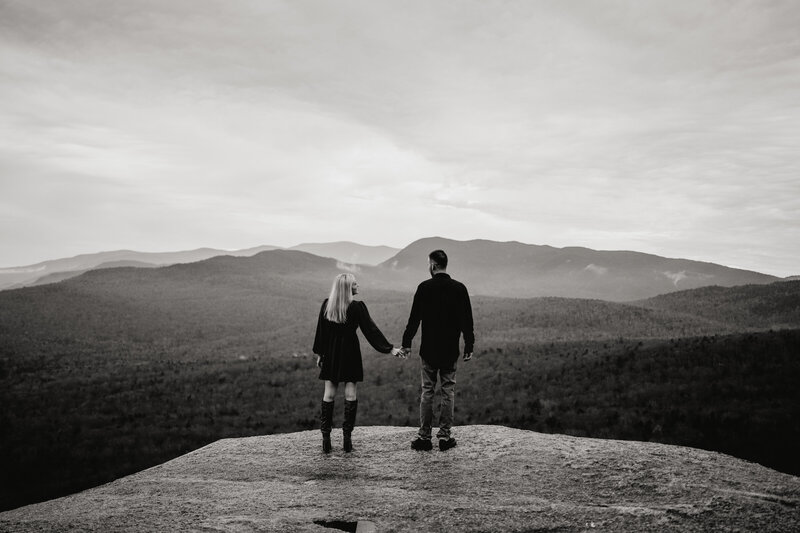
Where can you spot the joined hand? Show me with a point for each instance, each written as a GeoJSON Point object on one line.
{"type": "Point", "coordinates": [399, 352]}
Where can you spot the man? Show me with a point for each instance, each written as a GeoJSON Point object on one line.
{"type": "Point", "coordinates": [442, 305]}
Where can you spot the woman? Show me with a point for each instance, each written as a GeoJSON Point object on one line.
{"type": "Point", "coordinates": [339, 353]}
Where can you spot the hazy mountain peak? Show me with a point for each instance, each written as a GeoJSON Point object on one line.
{"type": "Point", "coordinates": [526, 270]}
{"type": "Point", "coordinates": [488, 267]}
{"type": "Point", "coordinates": [349, 252]}
{"type": "Point", "coordinates": [60, 269]}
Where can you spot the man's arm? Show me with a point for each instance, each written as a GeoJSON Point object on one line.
{"type": "Point", "coordinates": [414, 319]}
{"type": "Point", "coordinates": [467, 328]}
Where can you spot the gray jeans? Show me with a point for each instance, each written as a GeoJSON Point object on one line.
{"type": "Point", "coordinates": [448, 384]}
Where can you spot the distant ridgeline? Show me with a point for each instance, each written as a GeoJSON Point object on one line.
{"type": "Point", "coordinates": [120, 369]}
{"type": "Point", "coordinates": [514, 269]}
{"type": "Point", "coordinates": [506, 269]}
{"type": "Point", "coordinates": [61, 269]}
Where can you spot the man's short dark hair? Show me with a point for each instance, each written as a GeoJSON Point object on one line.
{"type": "Point", "coordinates": [439, 258]}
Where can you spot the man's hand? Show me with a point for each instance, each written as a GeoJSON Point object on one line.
{"type": "Point", "coordinates": [405, 352]}
{"type": "Point", "coordinates": [467, 356]}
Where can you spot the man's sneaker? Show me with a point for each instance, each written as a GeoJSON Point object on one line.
{"type": "Point", "coordinates": [422, 444]}
{"type": "Point", "coordinates": [446, 444]}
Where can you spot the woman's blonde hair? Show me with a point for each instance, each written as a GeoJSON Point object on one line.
{"type": "Point", "coordinates": [340, 298]}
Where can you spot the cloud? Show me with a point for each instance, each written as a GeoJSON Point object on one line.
{"type": "Point", "coordinates": [675, 277]}
{"type": "Point", "coordinates": [596, 269]}
{"type": "Point", "coordinates": [665, 127]}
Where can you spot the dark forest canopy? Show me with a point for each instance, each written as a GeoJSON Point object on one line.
{"type": "Point", "coordinates": [117, 370]}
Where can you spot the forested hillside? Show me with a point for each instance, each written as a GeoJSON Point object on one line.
{"type": "Point", "coordinates": [763, 306]}
{"type": "Point", "coordinates": [121, 369]}
{"type": "Point", "coordinates": [72, 421]}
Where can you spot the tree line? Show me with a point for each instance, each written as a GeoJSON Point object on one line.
{"type": "Point", "coordinates": [72, 420]}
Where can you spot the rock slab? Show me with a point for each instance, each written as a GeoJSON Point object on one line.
{"type": "Point", "coordinates": [496, 479]}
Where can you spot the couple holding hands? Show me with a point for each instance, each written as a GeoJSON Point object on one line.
{"type": "Point", "coordinates": [441, 304]}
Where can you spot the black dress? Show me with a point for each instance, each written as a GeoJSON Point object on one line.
{"type": "Point", "coordinates": [338, 344]}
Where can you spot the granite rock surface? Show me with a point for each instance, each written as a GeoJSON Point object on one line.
{"type": "Point", "coordinates": [496, 479]}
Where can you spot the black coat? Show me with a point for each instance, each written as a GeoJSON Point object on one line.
{"type": "Point", "coordinates": [442, 305]}
{"type": "Point", "coordinates": [338, 344]}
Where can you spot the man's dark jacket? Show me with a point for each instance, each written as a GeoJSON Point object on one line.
{"type": "Point", "coordinates": [442, 305]}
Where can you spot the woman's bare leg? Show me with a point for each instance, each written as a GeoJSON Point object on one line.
{"type": "Point", "coordinates": [350, 392]}
{"type": "Point", "coordinates": [330, 390]}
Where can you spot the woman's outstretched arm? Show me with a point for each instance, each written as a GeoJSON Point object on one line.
{"type": "Point", "coordinates": [319, 336]}
{"type": "Point", "coordinates": [371, 331]}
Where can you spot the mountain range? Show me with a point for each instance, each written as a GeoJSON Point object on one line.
{"type": "Point", "coordinates": [60, 269]}
{"type": "Point", "coordinates": [119, 369]}
{"type": "Point", "coordinates": [349, 252]}
{"type": "Point", "coordinates": [514, 269]}
{"type": "Point", "coordinates": [272, 298]}
{"type": "Point", "coordinates": [505, 269]}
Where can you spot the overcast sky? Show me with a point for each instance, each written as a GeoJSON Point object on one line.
{"type": "Point", "coordinates": [665, 127]}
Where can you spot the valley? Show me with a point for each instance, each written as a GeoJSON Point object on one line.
{"type": "Point", "coordinates": [119, 369]}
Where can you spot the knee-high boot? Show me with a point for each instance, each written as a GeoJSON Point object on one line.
{"type": "Point", "coordinates": [325, 424]}
{"type": "Point", "coordinates": [350, 409]}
